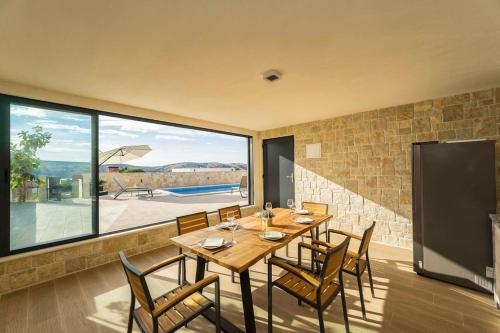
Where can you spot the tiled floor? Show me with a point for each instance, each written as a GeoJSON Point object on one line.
{"type": "Point", "coordinates": [130, 211]}
{"type": "Point", "coordinates": [97, 300]}
{"type": "Point", "coordinates": [34, 223]}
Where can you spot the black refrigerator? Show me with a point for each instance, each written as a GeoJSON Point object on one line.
{"type": "Point", "coordinates": [454, 191]}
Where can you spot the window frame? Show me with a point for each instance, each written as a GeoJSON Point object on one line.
{"type": "Point", "coordinates": [5, 102]}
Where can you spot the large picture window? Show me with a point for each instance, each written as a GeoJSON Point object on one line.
{"type": "Point", "coordinates": [71, 173]}
{"type": "Point", "coordinates": [152, 172]}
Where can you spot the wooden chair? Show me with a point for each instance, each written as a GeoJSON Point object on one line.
{"type": "Point", "coordinates": [318, 291]}
{"type": "Point", "coordinates": [315, 208]}
{"type": "Point", "coordinates": [189, 223]}
{"type": "Point", "coordinates": [236, 210]}
{"type": "Point", "coordinates": [173, 309]}
{"type": "Point", "coordinates": [354, 263]}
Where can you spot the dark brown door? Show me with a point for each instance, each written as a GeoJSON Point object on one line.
{"type": "Point", "coordinates": [278, 170]}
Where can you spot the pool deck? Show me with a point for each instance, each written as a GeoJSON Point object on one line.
{"type": "Point", "coordinates": [132, 211]}
{"type": "Point", "coordinates": [33, 223]}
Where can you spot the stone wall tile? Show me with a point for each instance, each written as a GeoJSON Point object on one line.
{"type": "Point", "coordinates": [23, 279]}
{"type": "Point", "coordinates": [18, 265]}
{"type": "Point", "coordinates": [75, 265]}
{"type": "Point", "coordinates": [51, 271]}
{"type": "Point", "coordinates": [453, 112]}
{"type": "Point", "coordinates": [43, 259]}
{"type": "Point", "coordinates": [485, 127]}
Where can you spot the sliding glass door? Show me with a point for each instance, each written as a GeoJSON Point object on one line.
{"type": "Point", "coordinates": [52, 176]}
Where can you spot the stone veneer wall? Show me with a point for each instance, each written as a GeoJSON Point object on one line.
{"type": "Point", "coordinates": [171, 179]}
{"type": "Point", "coordinates": [364, 173]}
{"type": "Point", "coordinates": [28, 269]}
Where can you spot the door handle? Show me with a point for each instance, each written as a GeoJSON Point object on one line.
{"type": "Point", "coordinates": [290, 177]}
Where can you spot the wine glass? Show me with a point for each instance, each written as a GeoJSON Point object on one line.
{"type": "Point", "coordinates": [230, 217]}
{"type": "Point", "coordinates": [290, 204]}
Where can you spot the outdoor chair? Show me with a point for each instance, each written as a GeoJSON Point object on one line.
{"type": "Point", "coordinates": [172, 310]}
{"type": "Point", "coordinates": [243, 187]}
{"type": "Point", "coordinates": [354, 263]}
{"type": "Point", "coordinates": [126, 189]}
{"type": "Point", "coordinates": [315, 208]}
{"type": "Point", "coordinates": [236, 210]}
{"type": "Point", "coordinates": [190, 223]}
{"type": "Point", "coordinates": [316, 290]}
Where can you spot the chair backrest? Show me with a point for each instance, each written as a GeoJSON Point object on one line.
{"type": "Point", "coordinates": [119, 183]}
{"type": "Point", "coordinates": [137, 284]}
{"type": "Point", "coordinates": [365, 241]}
{"type": "Point", "coordinates": [236, 210]}
{"type": "Point", "coordinates": [333, 263]}
{"type": "Point", "coordinates": [191, 222]}
{"type": "Point", "coordinates": [243, 182]}
{"type": "Point", "coordinates": [315, 207]}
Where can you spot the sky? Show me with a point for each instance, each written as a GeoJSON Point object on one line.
{"type": "Point", "coordinates": [71, 138]}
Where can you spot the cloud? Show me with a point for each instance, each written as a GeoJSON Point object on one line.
{"type": "Point", "coordinates": [117, 132]}
{"type": "Point", "coordinates": [19, 110]}
{"type": "Point", "coordinates": [49, 124]}
{"type": "Point", "coordinates": [173, 137]}
{"type": "Point", "coordinates": [69, 142]}
{"type": "Point", "coordinates": [75, 118]}
{"type": "Point", "coordinates": [136, 126]}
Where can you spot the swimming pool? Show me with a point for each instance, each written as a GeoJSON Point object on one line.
{"type": "Point", "coordinates": [199, 190]}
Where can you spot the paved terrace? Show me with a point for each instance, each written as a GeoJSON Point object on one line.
{"type": "Point", "coordinates": [33, 223]}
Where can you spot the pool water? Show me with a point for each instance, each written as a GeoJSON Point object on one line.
{"type": "Point", "coordinates": [204, 189]}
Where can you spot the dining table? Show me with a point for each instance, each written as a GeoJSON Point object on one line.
{"type": "Point", "coordinates": [249, 247]}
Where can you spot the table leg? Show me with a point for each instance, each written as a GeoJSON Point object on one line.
{"type": "Point", "coordinates": [246, 295]}
{"type": "Point", "coordinates": [200, 268]}
{"type": "Point", "coordinates": [209, 314]}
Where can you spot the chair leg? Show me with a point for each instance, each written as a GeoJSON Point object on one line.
{"type": "Point", "coordinates": [206, 267]}
{"type": "Point", "coordinates": [360, 287]}
{"type": "Point", "coordinates": [286, 251]}
{"type": "Point", "coordinates": [320, 318]}
{"type": "Point", "coordinates": [217, 307]}
{"type": "Point", "coordinates": [344, 308]}
{"type": "Point", "coordinates": [370, 274]}
{"type": "Point", "coordinates": [233, 279]}
{"type": "Point", "coordinates": [131, 313]}
{"type": "Point", "coordinates": [269, 298]}
{"type": "Point", "coordinates": [179, 271]}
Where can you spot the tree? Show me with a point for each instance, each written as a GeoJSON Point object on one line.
{"type": "Point", "coordinates": [24, 161]}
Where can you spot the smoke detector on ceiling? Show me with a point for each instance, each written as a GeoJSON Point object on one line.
{"type": "Point", "coordinates": [272, 75]}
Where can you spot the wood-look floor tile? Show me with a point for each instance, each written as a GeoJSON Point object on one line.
{"type": "Point", "coordinates": [97, 300]}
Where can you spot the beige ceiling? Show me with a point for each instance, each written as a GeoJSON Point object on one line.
{"type": "Point", "coordinates": [204, 59]}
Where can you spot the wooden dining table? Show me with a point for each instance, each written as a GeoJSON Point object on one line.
{"type": "Point", "coordinates": [248, 250]}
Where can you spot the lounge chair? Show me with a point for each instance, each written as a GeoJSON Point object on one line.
{"type": "Point", "coordinates": [125, 189]}
{"type": "Point", "coordinates": [243, 188]}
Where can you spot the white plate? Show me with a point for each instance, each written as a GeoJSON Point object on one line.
{"type": "Point", "coordinates": [227, 225]}
{"type": "Point", "coordinates": [303, 220]}
{"type": "Point", "coordinates": [272, 235]}
{"type": "Point", "coordinates": [224, 243]}
{"type": "Point", "coordinates": [303, 211]}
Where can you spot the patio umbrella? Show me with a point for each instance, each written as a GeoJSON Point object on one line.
{"type": "Point", "coordinates": [123, 154]}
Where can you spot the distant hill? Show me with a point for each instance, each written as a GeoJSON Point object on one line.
{"type": "Point", "coordinates": [63, 169]}
{"type": "Point", "coordinates": [169, 167]}
{"type": "Point", "coordinates": [68, 169]}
